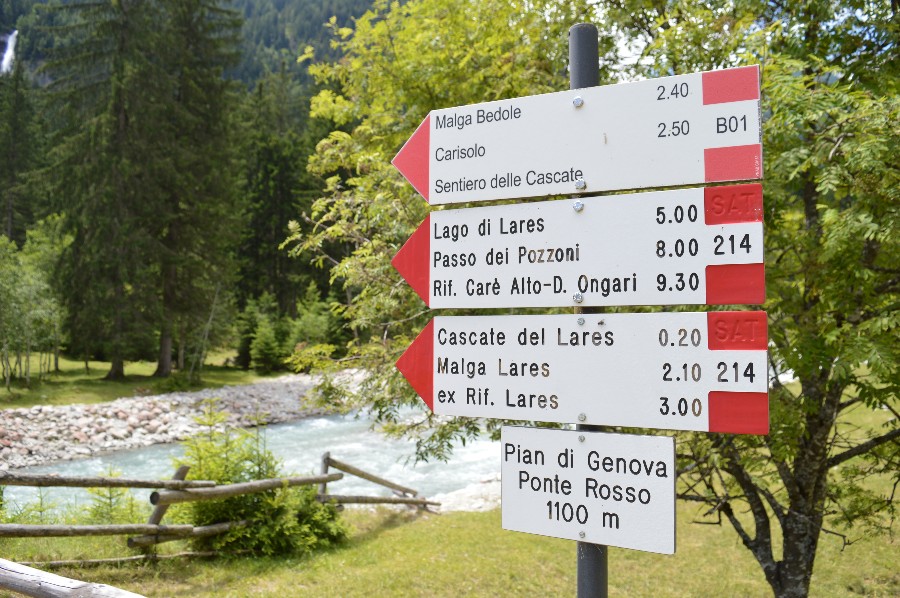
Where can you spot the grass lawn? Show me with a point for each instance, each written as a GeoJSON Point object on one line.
{"type": "Point", "coordinates": [72, 384]}
{"type": "Point", "coordinates": [393, 553]}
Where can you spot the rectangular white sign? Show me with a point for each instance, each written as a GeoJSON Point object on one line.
{"type": "Point", "coordinates": [688, 246]}
{"type": "Point", "coordinates": [681, 130]}
{"type": "Point", "coordinates": [678, 371]}
{"type": "Point", "coordinates": [610, 489]}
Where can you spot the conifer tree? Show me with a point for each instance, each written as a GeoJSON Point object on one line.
{"type": "Point", "coordinates": [278, 189]}
{"type": "Point", "coordinates": [195, 226]}
{"type": "Point", "coordinates": [18, 151]}
{"type": "Point", "coordinates": [106, 81]}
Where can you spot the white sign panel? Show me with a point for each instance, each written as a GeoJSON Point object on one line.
{"type": "Point", "coordinates": [610, 489]}
{"type": "Point", "coordinates": [679, 371]}
{"type": "Point", "coordinates": [681, 130]}
{"type": "Point", "coordinates": [688, 246]}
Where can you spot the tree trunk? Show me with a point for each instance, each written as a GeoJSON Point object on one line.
{"type": "Point", "coordinates": [169, 282]}
{"type": "Point", "coordinates": [56, 345]}
{"type": "Point", "coordinates": [28, 363]}
{"type": "Point", "coordinates": [7, 368]}
{"type": "Point", "coordinates": [181, 351]}
{"type": "Point", "coordinates": [8, 228]}
{"type": "Point", "coordinates": [164, 364]}
{"type": "Point", "coordinates": [801, 540]}
{"type": "Point", "coordinates": [116, 369]}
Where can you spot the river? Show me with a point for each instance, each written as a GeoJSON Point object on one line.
{"type": "Point", "coordinates": [299, 446]}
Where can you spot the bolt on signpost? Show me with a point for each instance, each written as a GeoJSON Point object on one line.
{"type": "Point", "coordinates": [704, 371]}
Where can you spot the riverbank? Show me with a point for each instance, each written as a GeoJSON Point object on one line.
{"type": "Point", "coordinates": [43, 434]}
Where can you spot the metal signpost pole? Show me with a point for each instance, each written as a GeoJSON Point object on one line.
{"type": "Point", "coordinates": [584, 71]}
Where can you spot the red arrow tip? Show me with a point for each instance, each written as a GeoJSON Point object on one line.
{"type": "Point", "coordinates": [412, 261]}
{"type": "Point", "coordinates": [417, 365]}
{"type": "Point", "coordinates": [413, 158]}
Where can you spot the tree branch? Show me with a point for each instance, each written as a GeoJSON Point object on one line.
{"type": "Point", "coordinates": [863, 448]}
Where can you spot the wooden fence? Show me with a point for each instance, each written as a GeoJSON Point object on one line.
{"type": "Point", "coordinates": [34, 582]}
{"type": "Point", "coordinates": [405, 496]}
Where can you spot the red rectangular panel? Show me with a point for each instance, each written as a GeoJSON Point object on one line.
{"type": "Point", "coordinates": [735, 163]}
{"type": "Point", "coordinates": [737, 330]}
{"type": "Point", "coordinates": [731, 85]}
{"type": "Point", "coordinates": [733, 204]}
{"type": "Point", "coordinates": [739, 412]}
{"type": "Point", "coordinates": [733, 284]}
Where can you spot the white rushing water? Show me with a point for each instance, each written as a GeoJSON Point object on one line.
{"type": "Point", "coordinates": [299, 446]}
{"type": "Point", "coordinates": [9, 54]}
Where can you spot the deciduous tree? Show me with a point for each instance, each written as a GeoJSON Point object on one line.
{"type": "Point", "coordinates": [831, 194]}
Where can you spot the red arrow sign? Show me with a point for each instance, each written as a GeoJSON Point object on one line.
{"type": "Point", "coordinates": [413, 159]}
{"type": "Point", "coordinates": [682, 130]}
{"type": "Point", "coordinates": [678, 371]}
{"type": "Point", "coordinates": [416, 364]}
{"type": "Point", "coordinates": [689, 246]}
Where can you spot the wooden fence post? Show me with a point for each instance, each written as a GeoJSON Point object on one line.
{"type": "Point", "coordinates": [323, 487]}
{"type": "Point", "coordinates": [160, 510]}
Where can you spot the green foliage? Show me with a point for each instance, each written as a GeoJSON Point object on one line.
{"type": "Point", "coordinates": [245, 324]}
{"type": "Point", "coordinates": [313, 322]}
{"type": "Point", "coordinates": [276, 141]}
{"type": "Point", "coordinates": [266, 340]}
{"type": "Point", "coordinates": [32, 317]}
{"type": "Point", "coordinates": [282, 521]}
{"type": "Point", "coordinates": [831, 138]}
{"type": "Point", "coordinates": [20, 152]}
{"type": "Point", "coordinates": [112, 505]}
{"type": "Point", "coordinates": [274, 32]}
{"type": "Point", "coordinates": [269, 349]}
{"type": "Point", "coordinates": [40, 511]}
{"type": "Point", "coordinates": [267, 353]}
{"type": "Point", "coordinates": [400, 61]}
{"type": "Point", "coordinates": [177, 382]}
{"type": "Point", "coordinates": [143, 170]}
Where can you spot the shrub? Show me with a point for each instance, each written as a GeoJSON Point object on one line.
{"type": "Point", "coordinates": [281, 521]}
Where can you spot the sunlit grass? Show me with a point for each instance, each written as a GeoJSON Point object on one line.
{"type": "Point", "coordinates": [75, 384]}
{"type": "Point", "coordinates": [394, 553]}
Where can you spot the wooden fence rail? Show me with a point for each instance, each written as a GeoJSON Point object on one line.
{"type": "Point", "coordinates": [170, 497]}
{"type": "Point", "coordinates": [8, 478]}
{"type": "Point", "coordinates": [376, 500]}
{"type": "Point", "coordinates": [40, 584]}
{"type": "Point", "coordinates": [367, 476]}
{"type": "Point", "coordinates": [16, 530]}
{"type": "Point", "coordinates": [203, 531]}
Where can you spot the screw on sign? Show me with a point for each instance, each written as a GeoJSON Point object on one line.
{"type": "Point", "coordinates": [677, 371]}
{"type": "Point", "coordinates": [682, 130]}
{"type": "Point", "coordinates": [687, 246]}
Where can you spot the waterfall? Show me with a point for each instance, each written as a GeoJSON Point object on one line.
{"type": "Point", "coordinates": [9, 54]}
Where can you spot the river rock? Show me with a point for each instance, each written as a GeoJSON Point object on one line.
{"type": "Point", "coordinates": [44, 433]}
